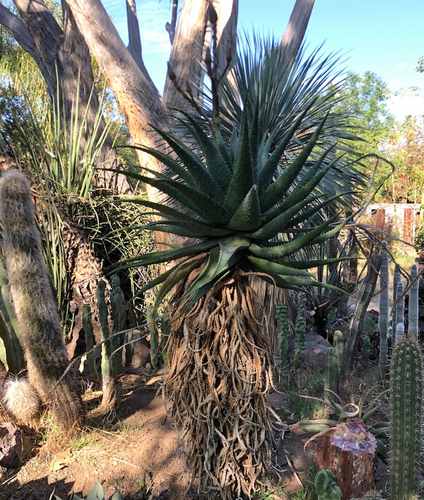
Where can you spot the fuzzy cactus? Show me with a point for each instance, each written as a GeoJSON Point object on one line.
{"type": "Point", "coordinates": [283, 333]}
{"type": "Point", "coordinates": [406, 407]}
{"type": "Point", "coordinates": [413, 329]}
{"type": "Point", "coordinates": [34, 302]}
{"type": "Point", "coordinates": [326, 487]}
{"type": "Point", "coordinates": [383, 319]}
{"type": "Point", "coordinates": [300, 328]}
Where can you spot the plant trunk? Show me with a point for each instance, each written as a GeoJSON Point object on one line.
{"type": "Point", "coordinates": [220, 369]}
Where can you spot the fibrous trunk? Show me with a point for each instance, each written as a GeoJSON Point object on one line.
{"type": "Point", "coordinates": [219, 378]}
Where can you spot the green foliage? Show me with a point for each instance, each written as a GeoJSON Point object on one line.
{"type": "Point", "coordinates": [406, 414]}
{"type": "Point", "coordinates": [252, 185]}
{"type": "Point", "coordinates": [326, 486]}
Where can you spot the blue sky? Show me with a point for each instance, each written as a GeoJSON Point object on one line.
{"type": "Point", "coordinates": [384, 36]}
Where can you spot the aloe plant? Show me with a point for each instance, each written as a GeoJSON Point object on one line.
{"type": "Point", "coordinates": [406, 418]}
{"type": "Point", "coordinates": [248, 180]}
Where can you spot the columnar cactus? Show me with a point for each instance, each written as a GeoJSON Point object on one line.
{"type": "Point", "coordinates": [109, 397]}
{"type": "Point", "coordinates": [34, 302]}
{"type": "Point", "coordinates": [413, 329]}
{"type": "Point", "coordinates": [383, 319]}
{"type": "Point", "coordinates": [332, 374]}
{"type": "Point", "coordinates": [396, 280]}
{"type": "Point", "coordinates": [89, 340]}
{"type": "Point", "coordinates": [406, 401]}
{"type": "Point", "coordinates": [119, 319]}
{"type": "Point", "coordinates": [400, 313]}
{"type": "Point", "coordinates": [339, 339]}
{"type": "Point", "coordinates": [326, 486]}
{"type": "Point", "coordinates": [300, 327]}
{"type": "Point", "coordinates": [283, 333]}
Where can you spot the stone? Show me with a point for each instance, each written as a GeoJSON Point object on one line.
{"type": "Point", "coordinates": [315, 354]}
{"type": "Point", "coordinates": [348, 451]}
{"type": "Point", "coordinates": [11, 445]}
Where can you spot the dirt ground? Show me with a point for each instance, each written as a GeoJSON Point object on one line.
{"type": "Point", "coordinates": [139, 453]}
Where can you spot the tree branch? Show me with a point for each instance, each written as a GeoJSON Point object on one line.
{"type": "Point", "coordinates": [227, 12]}
{"type": "Point", "coordinates": [18, 29]}
{"type": "Point", "coordinates": [184, 66]}
{"type": "Point", "coordinates": [170, 27]}
{"type": "Point", "coordinates": [296, 28]}
{"type": "Point", "coordinates": [134, 38]}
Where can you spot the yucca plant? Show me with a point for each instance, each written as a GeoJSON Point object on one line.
{"type": "Point", "coordinates": [245, 182]}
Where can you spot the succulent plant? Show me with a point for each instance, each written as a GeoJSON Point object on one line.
{"type": "Point", "coordinates": [326, 486]}
{"type": "Point", "coordinates": [406, 402]}
{"type": "Point", "coordinates": [413, 329]}
{"type": "Point", "coordinates": [383, 318]}
{"type": "Point", "coordinates": [283, 333]}
{"type": "Point", "coordinates": [300, 328]}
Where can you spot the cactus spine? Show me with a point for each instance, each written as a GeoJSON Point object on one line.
{"type": "Point", "coordinates": [283, 332]}
{"type": "Point", "coordinates": [326, 486]}
{"type": "Point", "coordinates": [406, 402]}
{"type": "Point", "coordinates": [383, 319]}
{"type": "Point", "coordinates": [300, 328]}
{"type": "Point", "coordinates": [400, 313]}
{"type": "Point", "coordinates": [413, 329]}
{"type": "Point", "coordinates": [34, 302]}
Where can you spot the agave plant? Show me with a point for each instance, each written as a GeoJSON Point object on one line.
{"type": "Point", "coordinates": [246, 181]}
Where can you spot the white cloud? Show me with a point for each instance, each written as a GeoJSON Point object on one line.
{"type": "Point", "coordinates": [407, 102]}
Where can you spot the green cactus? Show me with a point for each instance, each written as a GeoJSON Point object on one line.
{"type": "Point", "coordinates": [326, 486]}
{"type": "Point", "coordinates": [413, 329]}
{"type": "Point", "coordinates": [383, 319]}
{"type": "Point", "coordinates": [400, 313]}
{"type": "Point", "coordinates": [396, 280]}
{"type": "Point", "coordinates": [406, 402]}
{"type": "Point", "coordinates": [89, 341]}
{"type": "Point", "coordinates": [283, 333]}
{"type": "Point", "coordinates": [110, 393]}
{"type": "Point", "coordinates": [332, 372]}
{"type": "Point", "coordinates": [119, 320]}
{"type": "Point", "coordinates": [300, 328]}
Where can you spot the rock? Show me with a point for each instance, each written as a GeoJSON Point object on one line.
{"type": "Point", "coordinates": [348, 451]}
{"type": "Point", "coordinates": [11, 445]}
{"type": "Point", "coordinates": [315, 354]}
{"type": "Point", "coordinates": [140, 356]}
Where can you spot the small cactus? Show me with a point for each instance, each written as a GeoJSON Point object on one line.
{"type": "Point", "coordinates": [119, 319]}
{"type": "Point", "coordinates": [413, 304]}
{"type": "Point", "coordinates": [326, 486]}
{"type": "Point", "coordinates": [283, 332]}
{"type": "Point", "coordinates": [383, 319]}
{"type": "Point", "coordinates": [406, 405]}
{"type": "Point", "coordinates": [332, 374]}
